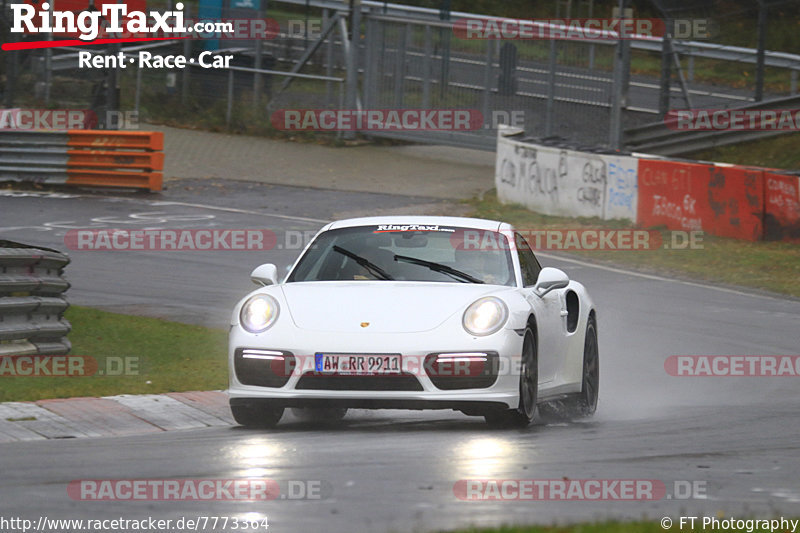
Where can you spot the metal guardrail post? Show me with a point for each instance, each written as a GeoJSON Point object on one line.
{"type": "Point", "coordinates": [487, 81]}
{"type": "Point", "coordinates": [400, 67]}
{"type": "Point", "coordinates": [370, 67]}
{"type": "Point", "coordinates": [762, 42]}
{"type": "Point", "coordinates": [426, 68]}
{"type": "Point", "coordinates": [12, 70]}
{"type": "Point", "coordinates": [551, 88]}
{"type": "Point", "coordinates": [352, 37]}
{"type": "Point", "coordinates": [326, 19]}
{"type": "Point", "coordinates": [229, 107]}
{"type": "Point", "coordinates": [48, 62]}
{"type": "Point", "coordinates": [258, 81]}
{"type": "Point", "coordinates": [186, 74]}
{"type": "Point", "coordinates": [666, 71]}
{"type": "Point", "coordinates": [617, 91]}
{"type": "Point", "coordinates": [138, 96]}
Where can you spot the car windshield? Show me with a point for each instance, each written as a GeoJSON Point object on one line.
{"type": "Point", "coordinates": [407, 253]}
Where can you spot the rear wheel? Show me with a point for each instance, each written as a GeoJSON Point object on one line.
{"type": "Point", "coordinates": [256, 416]}
{"type": "Point", "coordinates": [585, 402]}
{"type": "Point", "coordinates": [523, 415]}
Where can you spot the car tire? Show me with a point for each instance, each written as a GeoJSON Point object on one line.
{"type": "Point", "coordinates": [584, 404]}
{"type": "Point", "coordinates": [256, 416]}
{"type": "Point", "coordinates": [525, 412]}
{"type": "Point", "coordinates": [320, 415]}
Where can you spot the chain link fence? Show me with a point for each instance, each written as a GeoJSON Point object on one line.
{"type": "Point", "coordinates": [407, 58]}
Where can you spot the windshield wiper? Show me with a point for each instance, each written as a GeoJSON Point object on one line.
{"type": "Point", "coordinates": [376, 271]}
{"type": "Point", "coordinates": [463, 277]}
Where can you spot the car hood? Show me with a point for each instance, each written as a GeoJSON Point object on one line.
{"type": "Point", "coordinates": [388, 307]}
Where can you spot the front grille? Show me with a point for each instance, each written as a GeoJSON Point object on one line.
{"type": "Point", "coordinates": [399, 382]}
{"type": "Point", "coordinates": [263, 368]}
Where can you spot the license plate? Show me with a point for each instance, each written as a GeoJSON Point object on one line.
{"type": "Point", "coordinates": [358, 364]}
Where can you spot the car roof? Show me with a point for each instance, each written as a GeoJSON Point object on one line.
{"type": "Point", "coordinates": [460, 222]}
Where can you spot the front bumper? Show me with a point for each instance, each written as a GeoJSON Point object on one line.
{"type": "Point", "coordinates": [414, 390]}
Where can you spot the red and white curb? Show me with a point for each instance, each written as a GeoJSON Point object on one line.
{"type": "Point", "coordinates": [112, 416]}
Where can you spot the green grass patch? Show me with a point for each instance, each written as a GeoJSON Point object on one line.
{"type": "Point", "coordinates": [775, 152]}
{"type": "Point", "coordinates": [165, 356]}
{"type": "Point", "coordinates": [772, 266]}
{"type": "Point", "coordinates": [600, 527]}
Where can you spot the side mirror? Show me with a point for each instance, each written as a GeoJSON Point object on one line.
{"type": "Point", "coordinates": [266, 274]}
{"type": "Point", "coordinates": [550, 279]}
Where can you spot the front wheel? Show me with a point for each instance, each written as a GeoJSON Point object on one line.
{"type": "Point", "coordinates": [256, 416]}
{"type": "Point", "coordinates": [523, 415]}
{"type": "Point", "coordinates": [585, 403]}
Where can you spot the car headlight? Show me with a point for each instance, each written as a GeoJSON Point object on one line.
{"type": "Point", "coordinates": [259, 313]}
{"type": "Point", "coordinates": [485, 316]}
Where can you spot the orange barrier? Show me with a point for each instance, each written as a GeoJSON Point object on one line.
{"type": "Point", "coordinates": [104, 159]}
{"type": "Point", "coordinates": [781, 207]}
{"type": "Point", "coordinates": [725, 200]}
{"type": "Point", "coordinates": [96, 158]}
{"type": "Point", "coordinates": [134, 140]}
{"type": "Point", "coordinates": [100, 158]}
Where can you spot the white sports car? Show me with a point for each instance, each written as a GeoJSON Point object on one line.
{"type": "Point", "coordinates": [414, 313]}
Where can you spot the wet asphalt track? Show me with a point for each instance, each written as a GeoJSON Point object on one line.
{"type": "Point", "coordinates": [394, 471]}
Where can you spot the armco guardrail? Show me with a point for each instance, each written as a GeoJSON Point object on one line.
{"type": "Point", "coordinates": [95, 158]}
{"type": "Point", "coordinates": [32, 301]}
{"type": "Point", "coordinates": [735, 201]}
{"type": "Point", "coordinates": [657, 138]}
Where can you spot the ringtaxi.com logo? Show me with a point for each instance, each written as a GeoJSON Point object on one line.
{"type": "Point", "coordinates": [576, 490]}
{"type": "Point", "coordinates": [68, 366]}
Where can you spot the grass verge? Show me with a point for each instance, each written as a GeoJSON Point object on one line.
{"type": "Point", "coordinates": [772, 266]}
{"type": "Point", "coordinates": [161, 356]}
{"type": "Point", "coordinates": [773, 152]}
{"type": "Point", "coordinates": [602, 527]}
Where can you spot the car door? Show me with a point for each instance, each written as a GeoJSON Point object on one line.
{"type": "Point", "coordinates": [550, 312]}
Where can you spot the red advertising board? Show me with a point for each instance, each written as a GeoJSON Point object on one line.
{"type": "Point", "coordinates": [722, 200]}
{"type": "Point", "coordinates": [781, 207]}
